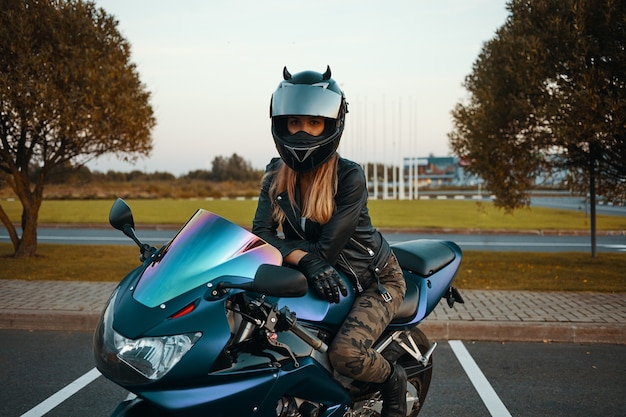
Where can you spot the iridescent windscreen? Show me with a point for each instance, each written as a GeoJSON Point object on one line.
{"type": "Point", "coordinates": [207, 247]}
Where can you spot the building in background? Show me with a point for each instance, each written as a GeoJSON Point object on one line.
{"type": "Point", "coordinates": [394, 182]}
{"type": "Point", "coordinates": [431, 174]}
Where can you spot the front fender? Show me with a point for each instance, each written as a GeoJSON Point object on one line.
{"type": "Point", "coordinates": [137, 408]}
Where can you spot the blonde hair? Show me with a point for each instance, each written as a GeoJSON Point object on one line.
{"type": "Point", "coordinates": [317, 194]}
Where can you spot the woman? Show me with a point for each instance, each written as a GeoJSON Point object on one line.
{"type": "Point", "coordinates": [320, 201]}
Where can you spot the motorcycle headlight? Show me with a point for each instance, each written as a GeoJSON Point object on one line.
{"type": "Point", "coordinates": [152, 357]}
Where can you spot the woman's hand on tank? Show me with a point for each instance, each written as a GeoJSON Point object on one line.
{"type": "Point", "coordinates": [324, 278]}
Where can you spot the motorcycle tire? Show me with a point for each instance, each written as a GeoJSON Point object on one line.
{"type": "Point", "coordinates": [417, 375]}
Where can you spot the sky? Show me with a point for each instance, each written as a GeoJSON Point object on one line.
{"type": "Point", "coordinates": [212, 66]}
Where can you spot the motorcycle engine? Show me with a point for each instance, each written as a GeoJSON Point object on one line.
{"type": "Point", "coordinates": [296, 407]}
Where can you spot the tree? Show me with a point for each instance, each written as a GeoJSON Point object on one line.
{"type": "Point", "coordinates": [548, 92]}
{"type": "Point", "coordinates": [234, 168]}
{"type": "Point", "coordinates": [68, 94]}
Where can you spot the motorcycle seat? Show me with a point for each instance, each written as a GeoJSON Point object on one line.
{"type": "Point", "coordinates": [423, 256]}
{"type": "Point", "coordinates": [408, 308]}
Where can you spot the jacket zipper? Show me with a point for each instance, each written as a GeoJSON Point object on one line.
{"type": "Point", "coordinates": [359, 287]}
{"type": "Point", "coordinates": [362, 246]}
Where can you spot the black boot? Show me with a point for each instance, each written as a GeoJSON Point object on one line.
{"type": "Point", "coordinates": [393, 392]}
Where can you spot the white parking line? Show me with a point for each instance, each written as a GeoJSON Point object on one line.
{"type": "Point", "coordinates": [483, 387]}
{"type": "Point", "coordinates": [57, 398]}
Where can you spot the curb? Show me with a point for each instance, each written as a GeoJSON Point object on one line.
{"type": "Point", "coordinates": [525, 332]}
{"type": "Point", "coordinates": [434, 329]}
{"type": "Point", "coordinates": [50, 320]}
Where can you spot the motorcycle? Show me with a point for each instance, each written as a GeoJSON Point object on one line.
{"type": "Point", "coordinates": [212, 324]}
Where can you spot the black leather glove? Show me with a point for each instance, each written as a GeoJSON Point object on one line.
{"type": "Point", "coordinates": [323, 277]}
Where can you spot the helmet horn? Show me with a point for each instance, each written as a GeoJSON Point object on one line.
{"type": "Point", "coordinates": [326, 75]}
{"type": "Point", "coordinates": [286, 74]}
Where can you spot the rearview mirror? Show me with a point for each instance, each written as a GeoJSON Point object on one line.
{"type": "Point", "coordinates": [120, 216]}
{"type": "Point", "coordinates": [271, 280]}
{"type": "Point", "coordinates": [279, 281]}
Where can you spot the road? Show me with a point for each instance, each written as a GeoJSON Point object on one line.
{"type": "Point", "coordinates": [520, 242]}
{"type": "Point", "coordinates": [53, 374]}
{"type": "Point", "coordinates": [496, 242]}
{"type": "Point", "coordinates": [577, 204]}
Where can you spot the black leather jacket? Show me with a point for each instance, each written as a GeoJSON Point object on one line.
{"type": "Point", "coordinates": [348, 241]}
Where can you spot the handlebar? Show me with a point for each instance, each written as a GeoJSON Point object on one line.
{"type": "Point", "coordinates": [292, 325]}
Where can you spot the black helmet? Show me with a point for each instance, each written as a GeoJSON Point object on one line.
{"type": "Point", "coordinates": [307, 93]}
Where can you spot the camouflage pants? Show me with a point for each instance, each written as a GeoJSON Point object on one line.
{"type": "Point", "coordinates": [351, 352]}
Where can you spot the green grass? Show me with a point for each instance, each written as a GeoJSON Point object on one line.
{"type": "Point", "coordinates": [466, 214]}
{"type": "Point", "coordinates": [70, 263]}
{"type": "Point", "coordinates": [563, 271]}
{"type": "Point", "coordinates": [479, 270]}
{"type": "Point", "coordinates": [436, 214]}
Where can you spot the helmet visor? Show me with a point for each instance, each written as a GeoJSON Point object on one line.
{"type": "Point", "coordinates": [305, 100]}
